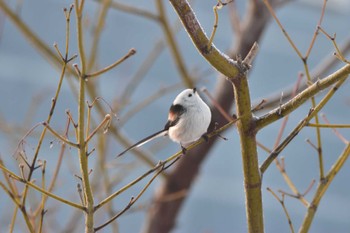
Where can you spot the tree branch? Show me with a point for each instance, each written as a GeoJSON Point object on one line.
{"type": "Point", "coordinates": [183, 175]}
{"type": "Point", "coordinates": [303, 123]}
{"type": "Point", "coordinates": [322, 188]}
{"type": "Point", "coordinates": [215, 57]}
{"type": "Point", "coordinates": [302, 97]}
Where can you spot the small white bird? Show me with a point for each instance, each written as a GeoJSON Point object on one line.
{"type": "Point", "coordinates": [188, 120]}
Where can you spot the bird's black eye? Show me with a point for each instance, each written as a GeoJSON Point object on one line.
{"type": "Point", "coordinates": [189, 95]}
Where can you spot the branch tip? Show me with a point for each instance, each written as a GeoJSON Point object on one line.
{"type": "Point", "coordinates": [132, 51]}
{"type": "Point", "coordinates": [248, 60]}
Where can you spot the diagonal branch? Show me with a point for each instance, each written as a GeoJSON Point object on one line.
{"type": "Point", "coordinates": [215, 57]}
{"type": "Point", "coordinates": [301, 125]}
{"type": "Point", "coordinates": [107, 68]}
{"type": "Point", "coordinates": [322, 188]}
{"type": "Point", "coordinates": [302, 97]}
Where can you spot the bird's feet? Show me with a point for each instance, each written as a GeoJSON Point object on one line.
{"type": "Point", "coordinates": [205, 137]}
{"type": "Point", "coordinates": [184, 150]}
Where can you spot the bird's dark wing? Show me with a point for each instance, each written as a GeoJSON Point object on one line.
{"type": "Point", "coordinates": [175, 112]}
{"type": "Point", "coordinates": [143, 141]}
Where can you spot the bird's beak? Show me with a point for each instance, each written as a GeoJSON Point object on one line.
{"type": "Point", "coordinates": [194, 90]}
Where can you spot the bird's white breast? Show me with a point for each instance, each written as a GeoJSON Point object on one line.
{"type": "Point", "coordinates": [192, 124]}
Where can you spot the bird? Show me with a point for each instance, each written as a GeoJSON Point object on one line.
{"type": "Point", "coordinates": [188, 120]}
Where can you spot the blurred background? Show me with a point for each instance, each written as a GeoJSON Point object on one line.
{"type": "Point", "coordinates": [215, 202]}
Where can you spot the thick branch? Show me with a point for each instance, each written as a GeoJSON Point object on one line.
{"type": "Point", "coordinates": [313, 112]}
{"type": "Point", "coordinates": [216, 58]}
{"type": "Point", "coordinates": [247, 134]}
{"type": "Point", "coordinates": [302, 97]}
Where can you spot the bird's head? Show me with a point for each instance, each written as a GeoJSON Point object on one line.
{"type": "Point", "coordinates": [187, 97]}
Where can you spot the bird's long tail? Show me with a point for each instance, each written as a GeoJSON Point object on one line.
{"type": "Point", "coordinates": [162, 132]}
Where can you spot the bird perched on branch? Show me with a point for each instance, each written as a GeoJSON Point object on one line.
{"type": "Point", "coordinates": [188, 120]}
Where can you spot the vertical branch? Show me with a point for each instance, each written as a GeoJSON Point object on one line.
{"type": "Point", "coordinates": [247, 131]}
{"type": "Point", "coordinates": [43, 197]}
{"type": "Point", "coordinates": [280, 165]}
{"type": "Point", "coordinates": [247, 134]}
{"type": "Point", "coordinates": [84, 166]}
{"type": "Point", "coordinates": [318, 130]}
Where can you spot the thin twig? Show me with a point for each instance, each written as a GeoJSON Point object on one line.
{"type": "Point", "coordinates": [311, 144]}
{"type": "Point", "coordinates": [133, 200]}
{"type": "Point", "coordinates": [43, 197]}
{"type": "Point", "coordinates": [104, 70]}
{"type": "Point", "coordinates": [281, 201]}
{"type": "Point", "coordinates": [338, 52]}
{"type": "Point", "coordinates": [248, 60]}
{"type": "Point", "coordinates": [336, 132]}
{"type": "Point", "coordinates": [217, 7]}
{"type": "Point", "coordinates": [272, 12]}
{"type": "Point", "coordinates": [60, 137]}
{"type": "Point", "coordinates": [313, 40]}
{"type": "Point", "coordinates": [333, 126]}
{"type": "Point", "coordinates": [106, 121]}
